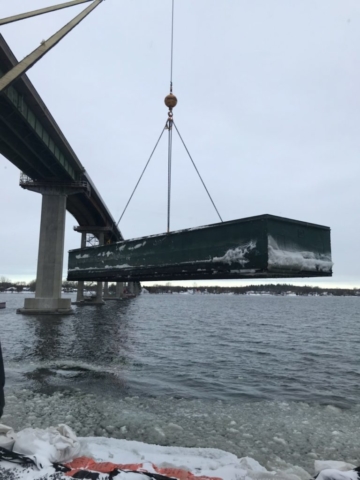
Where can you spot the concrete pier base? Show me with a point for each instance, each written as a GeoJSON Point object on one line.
{"type": "Point", "coordinates": [134, 288]}
{"type": "Point", "coordinates": [50, 260]}
{"type": "Point", "coordinates": [97, 299]}
{"type": "Point", "coordinates": [119, 294]}
{"type": "Point", "coordinates": [46, 306]}
{"type": "Point", "coordinates": [120, 289]}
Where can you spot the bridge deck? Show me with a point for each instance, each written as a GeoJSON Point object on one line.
{"type": "Point", "coordinates": [256, 247]}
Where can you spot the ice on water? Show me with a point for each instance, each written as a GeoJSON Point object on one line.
{"type": "Point", "coordinates": [282, 437]}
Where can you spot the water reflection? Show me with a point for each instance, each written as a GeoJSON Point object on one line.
{"type": "Point", "coordinates": [83, 349]}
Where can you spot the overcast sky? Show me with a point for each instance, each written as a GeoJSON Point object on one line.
{"type": "Point", "coordinates": [269, 107]}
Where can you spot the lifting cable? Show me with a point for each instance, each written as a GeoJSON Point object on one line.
{"type": "Point", "coordinates": [147, 163]}
{"type": "Point", "coordinates": [170, 102]}
{"type": "Point", "coordinates": [170, 118]}
{"type": "Point", "coordinates": [197, 171]}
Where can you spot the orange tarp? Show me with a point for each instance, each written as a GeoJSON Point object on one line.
{"type": "Point", "coordinates": [86, 463]}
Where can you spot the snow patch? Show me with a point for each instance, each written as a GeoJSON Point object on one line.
{"type": "Point", "coordinates": [124, 265]}
{"type": "Point", "coordinates": [237, 255]}
{"type": "Point", "coordinates": [297, 259]}
{"type": "Point", "coordinates": [82, 256]}
{"type": "Point", "coordinates": [139, 245]}
{"type": "Point", "coordinates": [244, 271]}
{"type": "Point", "coordinates": [208, 462]}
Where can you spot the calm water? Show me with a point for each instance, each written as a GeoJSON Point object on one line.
{"type": "Point", "coordinates": [194, 346]}
{"type": "Point", "coordinates": [199, 362]}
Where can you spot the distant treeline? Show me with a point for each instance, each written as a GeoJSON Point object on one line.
{"type": "Point", "coordinates": [274, 289]}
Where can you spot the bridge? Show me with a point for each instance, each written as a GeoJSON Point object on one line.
{"type": "Point", "coordinates": [257, 247]}
{"type": "Point", "coordinates": [31, 140]}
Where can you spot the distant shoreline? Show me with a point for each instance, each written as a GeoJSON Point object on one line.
{"type": "Point", "coordinates": [257, 290]}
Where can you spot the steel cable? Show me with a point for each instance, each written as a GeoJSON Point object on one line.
{"type": "Point", "coordinates": [197, 171]}
{"type": "Point", "coordinates": [147, 163]}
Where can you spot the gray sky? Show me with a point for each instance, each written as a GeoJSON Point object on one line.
{"type": "Point", "coordinates": [269, 107]}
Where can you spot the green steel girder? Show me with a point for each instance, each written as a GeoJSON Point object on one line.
{"type": "Point", "coordinates": [85, 211]}
{"type": "Point", "coordinates": [31, 160]}
{"type": "Point", "coordinates": [27, 137]}
{"type": "Point", "coordinates": [12, 137]}
{"type": "Point", "coordinates": [16, 158]}
{"type": "Point", "coordinates": [265, 246]}
{"type": "Point", "coordinates": [20, 106]}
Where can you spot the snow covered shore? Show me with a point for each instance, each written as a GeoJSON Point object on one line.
{"type": "Point", "coordinates": [277, 434]}
{"type": "Point", "coordinates": [198, 461]}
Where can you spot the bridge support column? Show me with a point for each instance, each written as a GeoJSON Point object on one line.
{"type": "Point", "coordinates": [80, 290]}
{"type": "Point", "coordinates": [99, 299]}
{"type": "Point", "coordinates": [119, 293]}
{"type": "Point", "coordinates": [102, 290]}
{"type": "Point", "coordinates": [119, 290]}
{"type": "Point", "coordinates": [48, 299]}
{"type": "Point", "coordinates": [130, 288]}
{"type": "Point", "coordinates": [137, 286]}
{"type": "Point", "coordinates": [50, 260]}
{"type": "Point", "coordinates": [134, 288]}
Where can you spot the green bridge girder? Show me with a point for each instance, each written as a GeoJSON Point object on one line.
{"type": "Point", "coordinates": [51, 159]}
{"type": "Point", "coordinates": [265, 246]}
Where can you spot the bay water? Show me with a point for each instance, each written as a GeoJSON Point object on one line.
{"type": "Point", "coordinates": [270, 377]}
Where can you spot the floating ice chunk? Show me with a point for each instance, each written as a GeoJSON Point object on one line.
{"type": "Point", "coordinates": [332, 409]}
{"type": "Point", "coordinates": [248, 463]}
{"type": "Point", "coordinates": [280, 440]}
{"type": "Point", "coordinates": [335, 474]}
{"type": "Point", "coordinates": [332, 464]}
{"type": "Point", "coordinates": [175, 426]}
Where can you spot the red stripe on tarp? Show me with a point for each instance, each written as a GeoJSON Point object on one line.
{"type": "Point", "coordinates": [87, 463]}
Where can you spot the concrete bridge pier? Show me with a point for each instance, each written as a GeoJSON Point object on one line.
{"type": "Point", "coordinates": [80, 288]}
{"type": "Point", "coordinates": [48, 298]}
{"type": "Point", "coordinates": [137, 287]}
{"type": "Point", "coordinates": [119, 290]}
{"type": "Point", "coordinates": [99, 299]}
{"type": "Point", "coordinates": [119, 293]}
{"type": "Point", "coordinates": [134, 288]}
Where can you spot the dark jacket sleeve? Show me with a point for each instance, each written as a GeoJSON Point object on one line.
{"type": "Point", "coordinates": [2, 383]}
